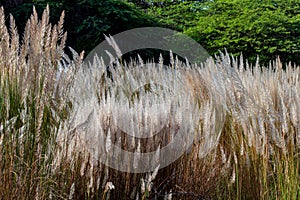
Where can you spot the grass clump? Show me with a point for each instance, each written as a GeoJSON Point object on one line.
{"type": "Point", "coordinates": [58, 121]}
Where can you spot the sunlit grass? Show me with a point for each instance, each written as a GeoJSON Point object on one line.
{"type": "Point", "coordinates": [245, 123]}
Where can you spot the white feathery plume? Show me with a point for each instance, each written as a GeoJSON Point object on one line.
{"type": "Point", "coordinates": [108, 142]}
{"type": "Point", "coordinates": [223, 155]}
{"type": "Point", "coordinates": [111, 41]}
{"type": "Point", "coordinates": [72, 191]}
{"type": "Point", "coordinates": [283, 116]}
{"type": "Point", "coordinates": [109, 186]}
{"type": "Point", "coordinates": [141, 62]}
{"type": "Point", "coordinates": [154, 173]}
{"type": "Point", "coordinates": [232, 179]}
{"type": "Point", "coordinates": [137, 155]}
{"type": "Point", "coordinates": [111, 57]}
{"type": "Point", "coordinates": [168, 196]}
{"type": "Point", "coordinates": [172, 62]}
{"type": "Point", "coordinates": [143, 186]}
{"type": "Point", "coordinates": [91, 177]}
{"type": "Point", "coordinates": [235, 158]}
{"type": "Point", "coordinates": [161, 60]}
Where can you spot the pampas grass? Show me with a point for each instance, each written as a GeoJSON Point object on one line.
{"type": "Point", "coordinates": [59, 121]}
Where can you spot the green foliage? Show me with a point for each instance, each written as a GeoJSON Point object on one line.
{"type": "Point", "coordinates": [265, 28]}
{"type": "Point", "coordinates": [257, 28]}
{"type": "Point", "coordinates": [88, 20]}
{"type": "Point", "coordinates": [268, 29]}
{"type": "Point", "coordinates": [177, 15]}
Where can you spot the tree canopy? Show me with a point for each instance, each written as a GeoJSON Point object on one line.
{"type": "Point", "coordinates": [87, 20]}
{"type": "Point", "coordinates": [253, 27]}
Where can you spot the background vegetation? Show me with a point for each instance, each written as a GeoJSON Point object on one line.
{"type": "Point", "coordinates": [87, 20]}
{"type": "Point", "coordinates": [267, 28]}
